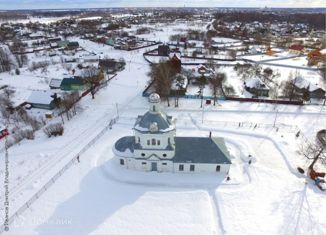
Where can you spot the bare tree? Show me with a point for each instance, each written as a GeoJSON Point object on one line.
{"type": "Point", "coordinates": [18, 48]}
{"type": "Point", "coordinates": [232, 54]}
{"type": "Point", "coordinates": [68, 104]}
{"type": "Point", "coordinates": [315, 151]}
{"type": "Point", "coordinates": [289, 88]}
{"type": "Point", "coordinates": [6, 103]}
{"type": "Point", "coordinates": [161, 76]}
{"type": "Point", "coordinates": [216, 84]}
{"type": "Point", "coordinates": [21, 59]}
{"type": "Point", "coordinates": [5, 62]}
{"type": "Point", "coordinates": [93, 77]}
{"type": "Point", "coordinates": [54, 129]}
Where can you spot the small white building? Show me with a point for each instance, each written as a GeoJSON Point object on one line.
{"type": "Point", "coordinates": [155, 147]}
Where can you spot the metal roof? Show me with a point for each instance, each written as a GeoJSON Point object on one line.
{"type": "Point", "coordinates": [200, 150]}
{"type": "Point", "coordinates": [150, 117]}
{"type": "Point", "coordinates": [124, 143]}
{"type": "Point", "coordinates": [188, 149]}
{"type": "Point", "coordinates": [41, 97]}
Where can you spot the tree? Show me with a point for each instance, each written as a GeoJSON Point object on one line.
{"type": "Point", "coordinates": [68, 104]}
{"type": "Point", "coordinates": [93, 77]}
{"type": "Point", "coordinates": [180, 82]}
{"type": "Point", "coordinates": [161, 76]}
{"type": "Point", "coordinates": [229, 90]}
{"type": "Point", "coordinates": [216, 84]}
{"type": "Point", "coordinates": [289, 88]}
{"type": "Point", "coordinates": [232, 54]}
{"type": "Point", "coordinates": [315, 151]}
{"type": "Point", "coordinates": [21, 59]}
{"type": "Point", "coordinates": [306, 94]}
{"type": "Point", "coordinates": [18, 48]}
{"type": "Point", "coordinates": [322, 71]}
{"type": "Point", "coordinates": [5, 62]}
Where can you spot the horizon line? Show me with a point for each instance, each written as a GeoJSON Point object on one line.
{"type": "Point", "coordinates": [139, 7]}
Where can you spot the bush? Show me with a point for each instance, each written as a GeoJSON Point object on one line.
{"type": "Point", "coordinates": [18, 135]}
{"type": "Point", "coordinates": [38, 65]}
{"type": "Point", "coordinates": [53, 129]}
{"type": "Point", "coordinates": [229, 90]}
{"type": "Point", "coordinates": [28, 134]}
{"type": "Point", "coordinates": [143, 30]}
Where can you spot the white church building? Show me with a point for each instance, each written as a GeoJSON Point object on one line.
{"type": "Point", "coordinates": [155, 147]}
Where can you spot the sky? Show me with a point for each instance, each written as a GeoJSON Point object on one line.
{"type": "Point", "coordinates": [56, 4]}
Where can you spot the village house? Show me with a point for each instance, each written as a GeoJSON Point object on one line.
{"type": "Point", "coordinates": [163, 50]}
{"type": "Point", "coordinates": [296, 49]}
{"type": "Point", "coordinates": [55, 83]}
{"type": "Point", "coordinates": [72, 46]}
{"type": "Point", "coordinates": [155, 147]}
{"type": "Point", "coordinates": [43, 99]}
{"type": "Point", "coordinates": [256, 87]}
{"type": "Point", "coordinates": [316, 91]}
{"type": "Point", "coordinates": [72, 84]}
{"type": "Point", "coordinates": [111, 65]}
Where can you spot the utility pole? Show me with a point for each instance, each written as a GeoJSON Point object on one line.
{"type": "Point", "coordinates": [202, 115]}
{"type": "Point", "coordinates": [275, 117]}
{"type": "Point", "coordinates": [117, 107]}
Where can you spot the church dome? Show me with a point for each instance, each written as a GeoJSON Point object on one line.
{"type": "Point", "coordinates": [148, 120]}
{"type": "Point", "coordinates": [154, 98]}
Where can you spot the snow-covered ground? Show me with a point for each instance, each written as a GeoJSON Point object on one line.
{"type": "Point", "coordinates": [42, 20]}
{"type": "Point", "coordinates": [96, 196]}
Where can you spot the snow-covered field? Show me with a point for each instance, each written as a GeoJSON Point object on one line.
{"type": "Point", "coordinates": [96, 196]}
{"type": "Point", "coordinates": [43, 20]}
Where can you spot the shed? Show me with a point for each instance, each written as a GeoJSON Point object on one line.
{"type": "Point", "coordinates": [55, 83]}
{"type": "Point", "coordinates": [163, 50]}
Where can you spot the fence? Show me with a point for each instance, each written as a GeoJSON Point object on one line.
{"type": "Point", "coordinates": [265, 100]}
{"type": "Point", "coordinates": [148, 91]}
{"type": "Point", "coordinates": [252, 125]}
{"type": "Point", "coordinates": [58, 174]}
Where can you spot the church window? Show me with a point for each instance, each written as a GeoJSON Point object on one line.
{"type": "Point", "coordinates": [218, 168]}
{"type": "Point", "coordinates": [153, 141]}
{"type": "Point", "coordinates": [148, 142]}
{"type": "Point", "coordinates": [192, 167]}
{"type": "Point", "coordinates": [164, 154]}
{"type": "Point", "coordinates": [158, 142]}
{"type": "Point", "coordinates": [180, 167]}
{"type": "Point", "coordinates": [143, 154]}
{"type": "Point", "coordinates": [122, 162]}
{"type": "Point", "coordinates": [144, 163]}
{"type": "Point", "coordinates": [164, 163]}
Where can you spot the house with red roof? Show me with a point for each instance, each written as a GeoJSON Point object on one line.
{"type": "Point", "coordinates": [296, 49]}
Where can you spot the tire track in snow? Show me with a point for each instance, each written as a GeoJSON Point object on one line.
{"type": "Point", "coordinates": [216, 211]}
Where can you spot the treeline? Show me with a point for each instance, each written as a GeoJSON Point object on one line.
{"type": "Point", "coordinates": [54, 13]}
{"type": "Point", "coordinates": [12, 16]}
{"type": "Point", "coordinates": [178, 14]}
{"type": "Point", "coordinates": [316, 20]}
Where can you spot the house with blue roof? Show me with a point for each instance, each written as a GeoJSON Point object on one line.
{"type": "Point", "coordinates": [155, 146]}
